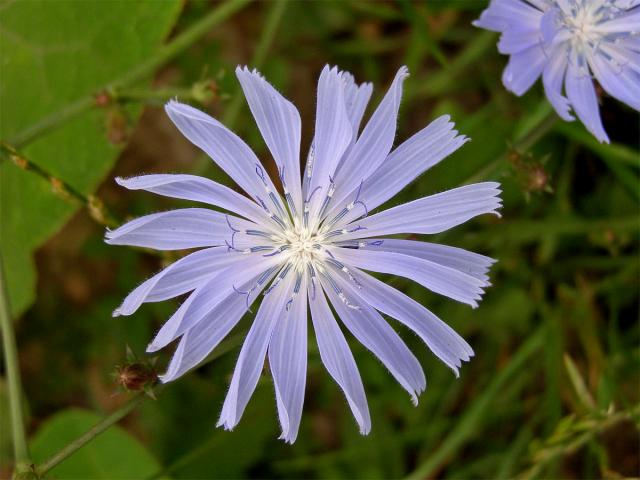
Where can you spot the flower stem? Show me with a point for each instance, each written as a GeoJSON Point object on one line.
{"type": "Point", "coordinates": [94, 205]}
{"type": "Point", "coordinates": [124, 410]}
{"type": "Point", "coordinates": [143, 70]}
{"type": "Point", "coordinates": [203, 162]}
{"type": "Point", "coordinates": [20, 450]}
{"type": "Point", "coordinates": [259, 56]}
{"type": "Point", "coordinates": [96, 430]}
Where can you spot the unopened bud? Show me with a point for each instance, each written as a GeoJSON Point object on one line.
{"type": "Point", "coordinates": [136, 376]}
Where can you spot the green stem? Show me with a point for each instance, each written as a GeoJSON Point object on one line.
{"type": "Point", "coordinates": [203, 163]}
{"type": "Point", "coordinates": [554, 451]}
{"type": "Point", "coordinates": [159, 96]}
{"type": "Point", "coordinates": [145, 69]}
{"type": "Point", "coordinates": [259, 56]}
{"type": "Point", "coordinates": [96, 208]}
{"type": "Point", "coordinates": [20, 450]}
{"type": "Point", "coordinates": [97, 429]}
{"type": "Point", "coordinates": [124, 410]}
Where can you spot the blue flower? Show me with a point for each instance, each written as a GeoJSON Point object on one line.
{"type": "Point", "coordinates": [309, 245]}
{"type": "Point", "coordinates": [568, 42]}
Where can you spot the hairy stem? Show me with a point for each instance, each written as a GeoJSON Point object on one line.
{"type": "Point", "coordinates": [94, 205]}
{"type": "Point", "coordinates": [21, 452]}
{"type": "Point", "coordinates": [97, 429]}
{"type": "Point", "coordinates": [145, 69]}
{"type": "Point", "coordinates": [124, 410]}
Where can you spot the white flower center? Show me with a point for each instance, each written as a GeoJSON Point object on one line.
{"type": "Point", "coordinates": [303, 246]}
{"type": "Point", "coordinates": [583, 24]}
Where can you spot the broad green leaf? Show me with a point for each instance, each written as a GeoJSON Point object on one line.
{"type": "Point", "coordinates": [51, 54]}
{"type": "Point", "coordinates": [113, 455]}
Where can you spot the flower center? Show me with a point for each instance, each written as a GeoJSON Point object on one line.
{"type": "Point", "coordinates": [582, 21]}
{"type": "Point", "coordinates": [303, 245]}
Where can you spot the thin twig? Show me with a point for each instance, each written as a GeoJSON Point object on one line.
{"type": "Point", "coordinates": [96, 207]}
{"type": "Point", "coordinates": [96, 430]}
{"type": "Point", "coordinates": [259, 56]}
{"type": "Point", "coordinates": [21, 452]}
{"type": "Point", "coordinates": [143, 70]}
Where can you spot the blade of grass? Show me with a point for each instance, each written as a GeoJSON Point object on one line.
{"type": "Point", "coordinates": [473, 417]}
{"type": "Point", "coordinates": [18, 433]}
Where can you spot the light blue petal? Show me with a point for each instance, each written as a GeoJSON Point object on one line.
{"type": "Point", "coordinates": [501, 14]}
{"type": "Point", "coordinates": [373, 146]}
{"type": "Point", "coordinates": [516, 39]}
{"type": "Point", "coordinates": [198, 189]}
{"type": "Point", "coordinates": [412, 158]}
{"type": "Point", "coordinates": [198, 342]}
{"type": "Point", "coordinates": [209, 295]}
{"type": "Point", "coordinates": [582, 95]}
{"type": "Point", "coordinates": [438, 278]}
{"type": "Point", "coordinates": [175, 230]}
{"type": "Point", "coordinates": [356, 98]}
{"type": "Point", "coordinates": [332, 136]}
{"type": "Point", "coordinates": [338, 359]}
{"type": "Point", "coordinates": [621, 79]}
{"type": "Point", "coordinates": [279, 123]}
{"type": "Point", "coordinates": [180, 277]}
{"type": "Point", "coordinates": [553, 79]}
{"type": "Point", "coordinates": [467, 262]}
{"type": "Point", "coordinates": [252, 355]}
{"type": "Point", "coordinates": [441, 339]}
{"type": "Point", "coordinates": [627, 22]}
{"type": "Point", "coordinates": [288, 364]}
{"type": "Point", "coordinates": [223, 146]}
{"type": "Point", "coordinates": [376, 334]}
{"type": "Point", "coordinates": [523, 69]}
{"type": "Point", "coordinates": [432, 214]}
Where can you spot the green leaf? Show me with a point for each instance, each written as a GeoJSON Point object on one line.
{"type": "Point", "coordinates": [52, 54]}
{"type": "Point", "coordinates": [114, 454]}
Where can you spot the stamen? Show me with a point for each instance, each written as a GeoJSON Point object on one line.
{"type": "Point", "coordinates": [260, 248]}
{"type": "Point", "coordinates": [277, 281]}
{"type": "Point", "coordinates": [343, 231]}
{"type": "Point", "coordinates": [296, 290]}
{"type": "Point", "coordinates": [232, 229]}
{"type": "Point", "coordinates": [261, 279]}
{"type": "Point", "coordinates": [305, 214]}
{"type": "Point", "coordinates": [327, 198]}
{"type": "Point", "coordinates": [340, 293]}
{"type": "Point", "coordinates": [312, 274]}
{"type": "Point", "coordinates": [231, 247]}
{"type": "Point", "coordinates": [262, 176]}
{"type": "Point", "coordinates": [260, 233]}
{"type": "Point", "coordinates": [340, 266]}
{"type": "Point", "coordinates": [287, 194]}
{"type": "Point", "coordinates": [349, 207]}
{"type": "Point", "coordinates": [281, 249]}
{"type": "Point", "coordinates": [358, 201]}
